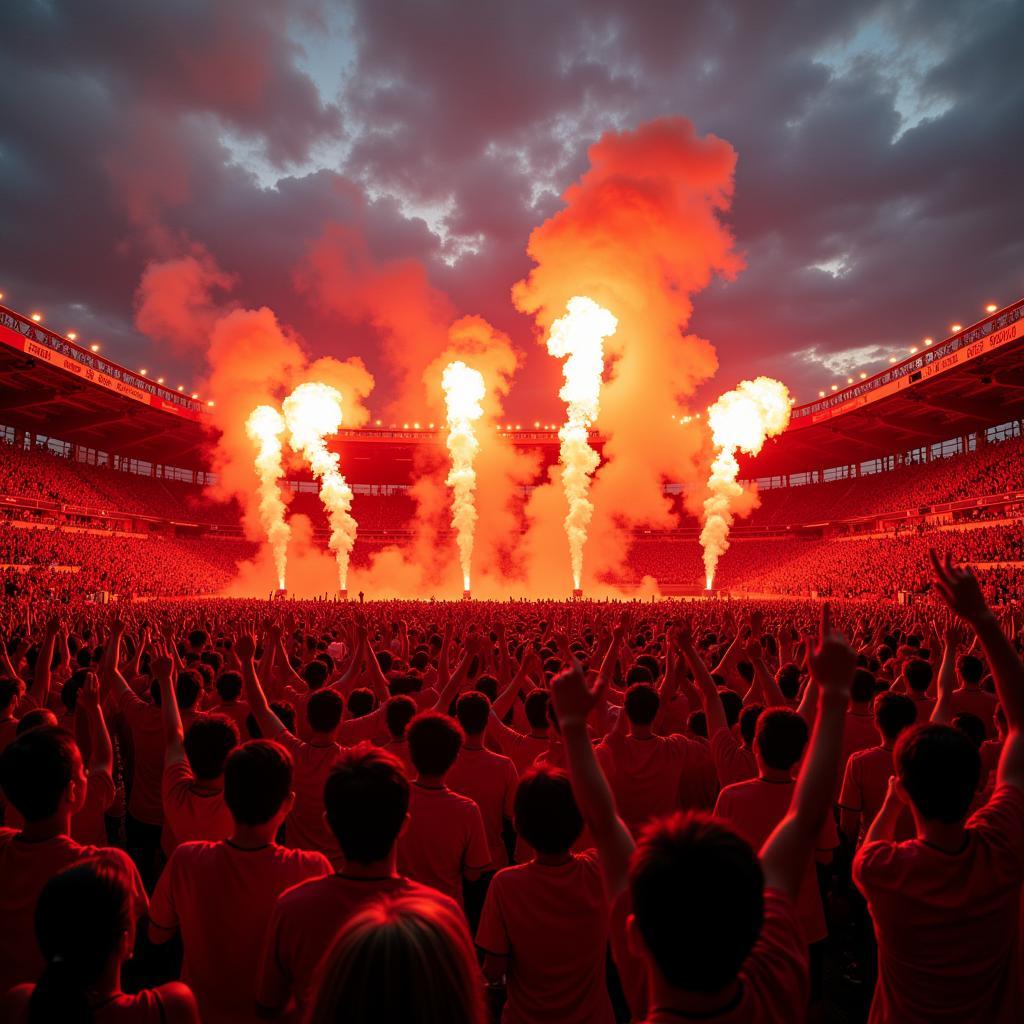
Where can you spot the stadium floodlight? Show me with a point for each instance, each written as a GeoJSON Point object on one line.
{"type": "Point", "coordinates": [928, 341]}
{"type": "Point", "coordinates": [835, 387]}
{"type": "Point", "coordinates": [159, 380]}
{"type": "Point", "coordinates": [378, 422]}
{"type": "Point", "coordinates": [210, 403]}
{"type": "Point", "coordinates": [142, 372]}
{"type": "Point", "coordinates": [863, 376]}
{"type": "Point", "coordinates": [94, 347]}
{"type": "Point", "coordinates": [71, 336]}
{"type": "Point", "coordinates": [821, 394]}
{"type": "Point", "coordinates": [991, 307]}
{"type": "Point", "coordinates": [195, 394]}
{"type": "Point", "coordinates": [956, 327]}
{"type": "Point", "coordinates": [913, 349]}
{"type": "Point", "coordinates": [892, 359]}
{"type": "Point", "coordinates": [849, 380]}
{"type": "Point", "coordinates": [536, 425]}
{"type": "Point", "coordinates": [415, 426]}
{"type": "Point", "coordinates": [37, 317]}
{"type": "Point", "coordinates": [181, 387]}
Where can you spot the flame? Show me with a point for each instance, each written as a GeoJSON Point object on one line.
{"type": "Point", "coordinates": [579, 335]}
{"type": "Point", "coordinates": [312, 412]}
{"type": "Point", "coordinates": [265, 426]}
{"type": "Point", "coordinates": [740, 420]}
{"type": "Point", "coordinates": [463, 392]}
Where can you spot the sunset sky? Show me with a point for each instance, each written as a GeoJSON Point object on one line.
{"type": "Point", "coordinates": [877, 192]}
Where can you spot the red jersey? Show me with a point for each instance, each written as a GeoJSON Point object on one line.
{"type": "Point", "coordinates": [305, 828]}
{"type": "Point", "coordinates": [774, 979]}
{"type": "Point", "coordinates": [305, 920]}
{"type": "Point", "coordinates": [947, 922]}
{"type": "Point", "coordinates": [551, 921]}
{"type": "Point", "coordinates": [444, 839]}
{"type": "Point", "coordinates": [521, 747]}
{"type": "Point", "coordinates": [25, 867]}
{"type": "Point", "coordinates": [190, 815]}
{"type": "Point", "coordinates": [976, 702]}
{"type": "Point", "coordinates": [490, 781]}
{"type": "Point", "coordinates": [221, 897]}
{"type": "Point", "coordinates": [733, 763]}
{"type": "Point", "coordinates": [754, 808]}
{"type": "Point", "coordinates": [865, 783]}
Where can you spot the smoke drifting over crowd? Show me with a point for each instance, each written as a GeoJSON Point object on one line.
{"type": "Point", "coordinates": [638, 235]}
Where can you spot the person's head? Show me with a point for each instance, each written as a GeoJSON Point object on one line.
{"type": "Point", "coordinates": [258, 783]}
{"type": "Point", "coordinates": [862, 690]}
{"type": "Point", "coordinates": [434, 743]}
{"type": "Point", "coordinates": [536, 709]}
{"type": "Point", "coordinates": [398, 713]}
{"type": "Point", "coordinates": [472, 710]}
{"type": "Point", "coordinates": [488, 686]}
{"type": "Point", "coordinates": [314, 674]}
{"type": "Point", "coordinates": [324, 710]}
{"type": "Point", "coordinates": [198, 639]}
{"type": "Point", "coordinates": [84, 920]}
{"type": "Point", "coordinates": [971, 726]}
{"type": "Point", "coordinates": [187, 688]}
{"type": "Point", "coordinates": [693, 867]}
{"type": "Point", "coordinates": [918, 675]}
{"type": "Point", "coordinates": [366, 797]}
{"type": "Point", "coordinates": [745, 670]}
{"type": "Point", "coordinates": [10, 691]}
{"type": "Point", "coordinates": [415, 939]}
{"type": "Point", "coordinates": [641, 704]}
{"type": "Point", "coordinates": [229, 686]}
{"type": "Point", "coordinates": [971, 669]}
{"type": "Point", "coordinates": [938, 769]}
{"type": "Point", "coordinates": [41, 774]}
{"type": "Point", "coordinates": [894, 712]}
{"type": "Point", "coordinates": [732, 705]}
{"type": "Point", "coordinates": [34, 719]}
{"type": "Point", "coordinates": [546, 814]}
{"type": "Point", "coordinates": [69, 691]}
{"type": "Point", "coordinates": [639, 674]}
{"type": "Point", "coordinates": [208, 741]}
{"type": "Point", "coordinates": [780, 738]}
{"type": "Point", "coordinates": [361, 702]}
{"type": "Point", "coordinates": [285, 715]}
{"type": "Point", "coordinates": [697, 724]}
{"type": "Point", "coordinates": [748, 722]}
{"type": "Point", "coordinates": [788, 680]}
{"type": "Point", "coordinates": [404, 683]}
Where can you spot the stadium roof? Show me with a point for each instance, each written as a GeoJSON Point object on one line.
{"type": "Point", "coordinates": [975, 378]}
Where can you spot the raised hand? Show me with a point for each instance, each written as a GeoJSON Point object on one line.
{"type": "Point", "coordinates": [245, 646]}
{"type": "Point", "coordinates": [89, 694]}
{"type": "Point", "coordinates": [573, 698]}
{"type": "Point", "coordinates": [832, 661]}
{"type": "Point", "coordinates": [959, 588]}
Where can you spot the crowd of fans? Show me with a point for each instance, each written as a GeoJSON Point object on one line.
{"type": "Point", "coordinates": [749, 810]}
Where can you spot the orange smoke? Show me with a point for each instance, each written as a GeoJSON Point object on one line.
{"type": "Point", "coordinates": [640, 233]}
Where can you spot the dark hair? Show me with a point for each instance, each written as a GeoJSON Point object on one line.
{"type": "Point", "coordinates": [208, 741]}
{"type": "Point", "coordinates": [324, 710]}
{"type": "Point", "coordinates": [434, 742]}
{"type": "Point", "coordinates": [9, 690]}
{"type": "Point", "coordinates": [693, 867]}
{"type": "Point", "coordinates": [488, 686]}
{"type": "Point", "coordinates": [971, 726]}
{"type": "Point", "coordinates": [940, 769]}
{"type": "Point", "coordinates": [229, 685]}
{"type": "Point", "coordinates": [781, 738]}
{"type": "Point", "coordinates": [187, 688]}
{"type": "Point", "coordinates": [748, 722]}
{"type": "Point", "coordinates": [697, 723]}
{"type": "Point", "coordinates": [536, 708]}
{"type": "Point", "coordinates": [732, 705]}
{"type": "Point", "coordinates": [398, 713]}
{"type": "Point", "coordinates": [360, 702]}
{"type": "Point", "coordinates": [918, 674]}
{"type": "Point", "coordinates": [257, 781]}
{"type": "Point", "coordinates": [788, 678]}
{"type": "Point", "coordinates": [639, 674]}
{"type": "Point", "coordinates": [971, 669]}
{"type": "Point", "coordinates": [894, 712]}
{"type": "Point", "coordinates": [69, 691]}
{"type": "Point", "coordinates": [367, 798]}
{"type": "Point", "coordinates": [641, 704]}
{"type": "Point", "coordinates": [34, 719]}
{"type": "Point", "coordinates": [81, 917]}
{"type": "Point", "coordinates": [745, 669]}
{"type": "Point", "coordinates": [472, 710]}
{"type": "Point", "coordinates": [198, 638]}
{"type": "Point", "coordinates": [863, 687]}
{"type": "Point", "coordinates": [37, 768]}
{"type": "Point", "coordinates": [315, 674]}
{"type": "Point", "coordinates": [213, 659]}
{"type": "Point", "coordinates": [546, 813]}
{"type": "Point", "coordinates": [402, 684]}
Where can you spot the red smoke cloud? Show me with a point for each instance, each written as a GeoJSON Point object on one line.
{"type": "Point", "coordinates": [640, 233]}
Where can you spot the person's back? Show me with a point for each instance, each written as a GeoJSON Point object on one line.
{"type": "Point", "coordinates": [221, 894]}
{"type": "Point", "coordinates": [487, 778]}
{"type": "Point", "coordinates": [445, 841]}
{"type": "Point", "coordinates": [367, 799]}
{"type": "Point", "coordinates": [545, 923]}
{"type": "Point", "coordinates": [970, 697]}
{"type": "Point", "coordinates": [42, 777]}
{"type": "Point", "coordinates": [654, 775]}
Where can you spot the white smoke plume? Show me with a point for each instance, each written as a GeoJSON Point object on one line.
{"type": "Point", "coordinates": [265, 427]}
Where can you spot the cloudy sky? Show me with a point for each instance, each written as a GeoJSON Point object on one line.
{"type": "Point", "coordinates": [880, 151]}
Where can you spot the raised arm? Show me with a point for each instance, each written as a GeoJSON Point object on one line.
{"type": "Point", "coordinates": [946, 683]}
{"type": "Point", "coordinates": [710, 699]}
{"type": "Point", "coordinates": [270, 725]}
{"type": "Point", "coordinates": [170, 714]}
{"type": "Point", "coordinates": [574, 701]}
{"type": "Point", "coordinates": [101, 753]}
{"type": "Point", "coordinates": [786, 852]}
{"type": "Point", "coordinates": [40, 689]}
{"type": "Point", "coordinates": [960, 590]}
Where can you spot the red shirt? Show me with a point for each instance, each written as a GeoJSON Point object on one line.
{"type": "Point", "coordinates": [551, 921]}
{"type": "Point", "coordinates": [976, 702]}
{"type": "Point", "coordinates": [657, 775]}
{"type": "Point", "coordinates": [733, 763]}
{"type": "Point", "coordinates": [947, 922]}
{"type": "Point", "coordinates": [865, 783]}
{"type": "Point", "coordinates": [305, 920]}
{"type": "Point", "coordinates": [145, 1007]}
{"type": "Point", "coordinates": [25, 867]}
{"type": "Point", "coordinates": [238, 712]}
{"type": "Point", "coordinates": [221, 897]}
{"type": "Point", "coordinates": [522, 748]}
{"type": "Point", "coordinates": [305, 828]}
{"type": "Point", "coordinates": [190, 815]}
{"type": "Point", "coordinates": [490, 781]}
{"type": "Point", "coordinates": [754, 808]}
{"type": "Point", "coordinates": [774, 979]}
{"type": "Point", "coordinates": [859, 733]}
{"type": "Point", "coordinates": [445, 838]}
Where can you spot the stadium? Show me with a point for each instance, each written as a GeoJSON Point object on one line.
{"type": "Point", "coordinates": [107, 472]}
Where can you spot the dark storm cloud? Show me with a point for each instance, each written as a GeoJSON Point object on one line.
{"type": "Point", "coordinates": [121, 126]}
